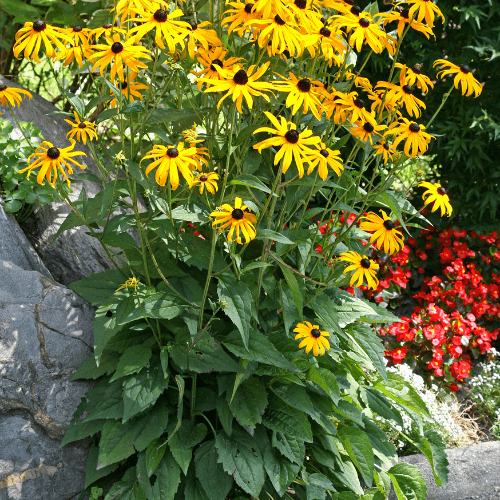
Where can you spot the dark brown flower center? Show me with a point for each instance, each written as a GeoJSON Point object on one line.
{"type": "Point", "coordinates": [216, 62]}
{"type": "Point", "coordinates": [365, 263]}
{"type": "Point", "coordinates": [464, 68]}
{"type": "Point", "coordinates": [203, 178]}
{"type": "Point", "coordinates": [39, 25]}
{"type": "Point", "coordinates": [304, 85]}
{"type": "Point", "coordinates": [117, 47]}
{"type": "Point", "coordinates": [193, 25]}
{"type": "Point", "coordinates": [237, 214]}
{"type": "Point", "coordinates": [364, 23]}
{"type": "Point", "coordinates": [324, 31]}
{"type": "Point", "coordinates": [109, 314]}
{"type": "Point", "coordinates": [2, 87]}
{"type": "Point", "coordinates": [107, 26]}
{"type": "Point", "coordinates": [172, 152]}
{"type": "Point", "coordinates": [240, 77]}
{"type": "Point", "coordinates": [368, 127]}
{"type": "Point", "coordinates": [356, 10]}
{"type": "Point", "coordinates": [248, 8]}
{"type": "Point", "coordinates": [160, 16]}
{"type": "Point", "coordinates": [441, 190]}
{"type": "Point", "coordinates": [124, 85]}
{"type": "Point", "coordinates": [407, 89]}
{"type": "Point", "coordinates": [359, 103]}
{"type": "Point", "coordinates": [414, 127]}
{"type": "Point", "coordinates": [301, 4]}
{"type": "Point", "coordinates": [292, 136]}
{"type": "Point", "coordinates": [77, 29]}
{"type": "Point", "coordinates": [82, 125]}
{"type": "Point", "coordinates": [386, 146]}
{"type": "Point", "coordinates": [389, 225]}
{"type": "Point", "coordinates": [53, 153]}
{"type": "Point", "coordinates": [405, 13]}
{"type": "Point", "coordinates": [315, 333]}
{"type": "Point", "coordinates": [417, 69]}
{"type": "Point", "coordinates": [278, 20]}
{"type": "Point", "coordinates": [324, 152]}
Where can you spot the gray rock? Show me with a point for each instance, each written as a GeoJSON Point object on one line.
{"type": "Point", "coordinates": [474, 472]}
{"type": "Point", "coordinates": [74, 255]}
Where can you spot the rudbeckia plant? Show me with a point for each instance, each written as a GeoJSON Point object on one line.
{"type": "Point", "coordinates": [230, 361]}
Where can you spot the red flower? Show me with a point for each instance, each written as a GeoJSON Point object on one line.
{"type": "Point", "coordinates": [397, 355]}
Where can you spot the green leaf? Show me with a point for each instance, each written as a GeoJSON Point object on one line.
{"type": "Point", "coordinates": [141, 391]}
{"type": "Point", "coordinates": [408, 482]}
{"type": "Point", "coordinates": [122, 489]}
{"type": "Point", "coordinates": [193, 212]}
{"type": "Point", "coordinates": [380, 443]}
{"type": "Point", "coordinates": [255, 265]}
{"type": "Point", "coordinates": [162, 305]}
{"type": "Point", "coordinates": [133, 360]}
{"type": "Point", "coordinates": [298, 298]}
{"type": "Point", "coordinates": [268, 234]}
{"type": "Point", "coordinates": [154, 454]}
{"type": "Point", "coordinates": [164, 361]}
{"type": "Point", "coordinates": [77, 103]}
{"type": "Point", "coordinates": [106, 114]}
{"type": "Point", "coordinates": [432, 446]}
{"type": "Point", "coordinates": [284, 418]}
{"type": "Point", "coordinates": [181, 444]}
{"type": "Point", "coordinates": [281, 471]}
{"type": "Point", "coordinates": [290, 446]}
{"type": "Point", "coordinates": [91, 472]}
{"type": "Point", "coordinates": [296, 397]}
{"type": "Point", "coordinates": [241, 457]}
{"type": "Point", "coordinates": [12, 206]}
{"type": "Point", "coordinates": [133, 107]}
{"type": "Point", "coordinates": [326, 380]}
{"type": "Point", "coordinates": [359, 449]}
{"type": "Point", "coordinates": [115, 444]}
{"type": "Point", "coordinates": [105, 401]}
{"type": "Point", "coordinates": [21, 11]}
{"type": "Point", "coordinates": [381, 405]}
{"type": "Point", "coordinates": [89, 369]}
{"type": "Point", "coordinates": [259, 349]}
{"type": "Point", "coordinates": [98, 287]}
{"type": "Point", "coordinates": [215, 482]}
{"type": "Point", "coordinates": [317, 485]}
{"type": "Point", "coordinates": [80, 429]}
{"type": "Point", "coordinates": [149, 426]}
{"type": "Point", "coordinates": [165, 115]}
{"type": "Point", "coordinates": [168, 478]}
{"type": "Point", "coordinates": [249, 403]}
{"type": "Point", "coordinates": [349, 477]}
{"type": "Point", "coordinates": [252, 181]}
{"type": "Point", "coordinates": [349, 411]}
{"type": "Point", "coordinates": [239, 305]}
{"type": "Point", "coordinates": [119, 240]}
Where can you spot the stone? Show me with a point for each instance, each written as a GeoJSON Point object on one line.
{"type": "Point", "coordinates": [74, 255]}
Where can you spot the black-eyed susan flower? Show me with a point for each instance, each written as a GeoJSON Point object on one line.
{"type": "Point", "coordinates": [356, 108]}
{"type": "Point", "coordinates": [330, 40]}
{"type": "Point", "coordinates": [363, 30]}
{"type": "Point", "coordinates": [79, 35]}
{"type": "Point", "coordinates": [414, 135]}
{"type": "Point", "coordinates": [301, 94]}
{"type": "Point", "coordinates": [207, 180]}
{"type": "Point", "coordinates": [280, 33]}
{"type": "Point", "coordinates": [157, 18]}
{"type": "Point", "coordinates": [385, 235]}
{"type": "Point", "coordinates": [403, 18]}
{"type": "Point", "coordinates": [324, 157]}
{"type": "Point", "coordinates": [335, 104]}
{"type": "Point", "coordinates": [125, 9]}
{"type": "Point", "coordinates": [81, 130]}
{"type": "Point", "coordinates": [364, 269]}
{"type": "Point", "coordinates": [402, 93]}
{"type": "Point", "coordinates": [424, 9]}
{"type": "Point", "coordinates": [119, 54]}
{"type": "Point", "coordinates": [76, 53]}
{"type": "Point", "coordinates": [130, 89]}
{"type": "Point", "coordinates": [130, 283]}
{"type": "Point", "coordinates": [12, 95]}
{"type": "Point", "coordinates": [366, 131]}
{"type": "Point", "coordinates": [210, 60]}
{"type": "Point", "coordinates": [238, 218]}
{"type": "Point", "coordinates": [377, 98]}
{"type": "Point", "coordinates": [292, 144]}
{"type": "Point", "coordinates": [239, 84]}
{"type": "Point", "coordinates": [190, 135]}
{"type": "Point", "coordinates": [463, 77]}
{"type": "Point", "coordinates": [169, 161]}
{"type": "Point", "coordinates": [30, 37]}
{"type": "Point", "coordinates": [106, 30]}
{"type": "Point", "coordinates": [238, 16]}
{"type": "Point", "coordinates": [269, 8]}
{"type": "Point", "coordinates": [51, 161]}
{"type": "Point", "coordinates": [359, 81]}
{"type": "Point", "coordinates": [313, 338]}
{"type": "Point", "coordinates": [307, 15]}
{"type": "Point", "coordinates": [414, 76]}
{"type": "Point", "coordinates": [385, 150]}
{"type": "Point", "coordinates": [436, 194]}
{"type": "Point", "coordinates": [198, 34]}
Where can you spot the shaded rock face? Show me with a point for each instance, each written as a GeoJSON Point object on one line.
{"type": "Point", "coordinates": [45, 334]}
{"type": "Point", "coordinates": [74, 255]}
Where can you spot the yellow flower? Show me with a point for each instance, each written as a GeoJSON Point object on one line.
{"type": "Point", "coordinates": [335, 104]}
{"type": "Point", "coordinates": [414, 75]}
{"type": "Point", "coordinates": [50, 160]}
{"type": "Point", "coordinates": [384, 231]}
{"type": "Point", "coordinates": [30, 37]}
{"type": "Point", "coordinates": [208, 180]}
{"type": "Point", "coordinates": [365, 268]}
{"type": "Point", "coordinates": [301, 93]}
{"type": "Point", "coordinates": [190, 135]}
{"type": "Point", "coordinates": [170, 160]}
{"type": "Point", "coordinates": [79, 35]}
{"type": "Point", "coordinates": [291, 143]}
{"type": "Point", "coordinates": [382, 148]}
{"type": "Point", "coordinates": [356, 108]}
{"type": "Point", "coordinates": [127, 8]}
{"type": "Point", "coordinates": [239, 16]}
{"type": "Point", "coordinates": [363, 30]}
{"type": "Point", "coordinates": [403, 18]}
{"type": "Point", "coordinates": [324, 157]}
{"type": "Point", "coordinates": [82, 130]}
{"type": "Point", "coordinates": [75, 53]}
{"type": "Point", "coordinates": [108, 30]}
{"type": "Point", "coordinates": [404, 93]}
{"type": "Point", "coordinates": [359, 81]}
{"type": "Point", "coordinates": [166, 28]}
{"type": "Point", "coordinates": [330, 40]}
{"type": "Point", "coordinates": [12, 95]}
{"type": "Point", "coordinates": [130, 283]}
{"type": "Point", "coordinates": [119, 54]}
{"type": "Point", "coordinates": [313, 338]}
{"type": "Point", "coordinates": [377, 98]}
{"type": "Point", "coordinates": [239, 218]}
{"type": "Point", "coordinates": [129, 89]}
{"type": "Point", "coordinates": [436, 194]}
{"type": "Point", "coordinates": [424, 9]}
{"type": "Point", "coordinates": [239, 84]}
{"type": "Point", "coordinates": [417, 140]}
{"type": "Point", "coordinates": [211, 58]}
{"type": "Point", "coordinates": [197, 34]}
{"type": "Point", "coordinates": [463, 77]}
{"type": "Point", "coordinates": [366, 131]}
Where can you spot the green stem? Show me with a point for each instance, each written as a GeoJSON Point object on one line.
{"type": "Point", "coordinates": [445, 97]}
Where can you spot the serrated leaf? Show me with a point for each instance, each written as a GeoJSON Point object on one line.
{"type": "Point", "coordinates": [215, 482]}
{"type": "Point", "coordinates": [296, 397]}
{"type": "Point", "coordinates": [408, 482]}
{"type": "Point", "coordinates": [281, 471]}
{"type": "Point", "coordinates": [133, 360]}
{"type": "Point", "coordinates": [105, 401]}
{"type": "Point", "coordinates": [249, 402]}
{"type": "Point", "coordinates": [168, 478]}
{"type": "Point", "coordinates": [359, 449]}
{"type": "Point", "coordinates": [91, 472]}
{"type": "Point", "coordinates": [291, 281]}
{"type": "Point", "coordinates": [326, 380]}
{"type": "Point", "coordinates": [161, 305]}
{"type": "Point", "coordinates": [381, 405]}
{"type": "Point", "coordinates": [181, 444]}
{"type": "Point", "coordinates": [268, 234]}
{"type": "Point", "coordinates": [192, 212]}
{"type": "Point", "coordinates": [115, 444]}
{"type": "Point", "coordinates": [154, 454]}
{"type": "Point", "coordinates": [98, 287]}
{"type": "Point", "coordinates": [432, 446]}
{"type": "Point", "coordinates": [89, 369]}
{"type": "Point", "coordinates": [290, 447]}
{"type": "Point", "coordinates": [251, 181]}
